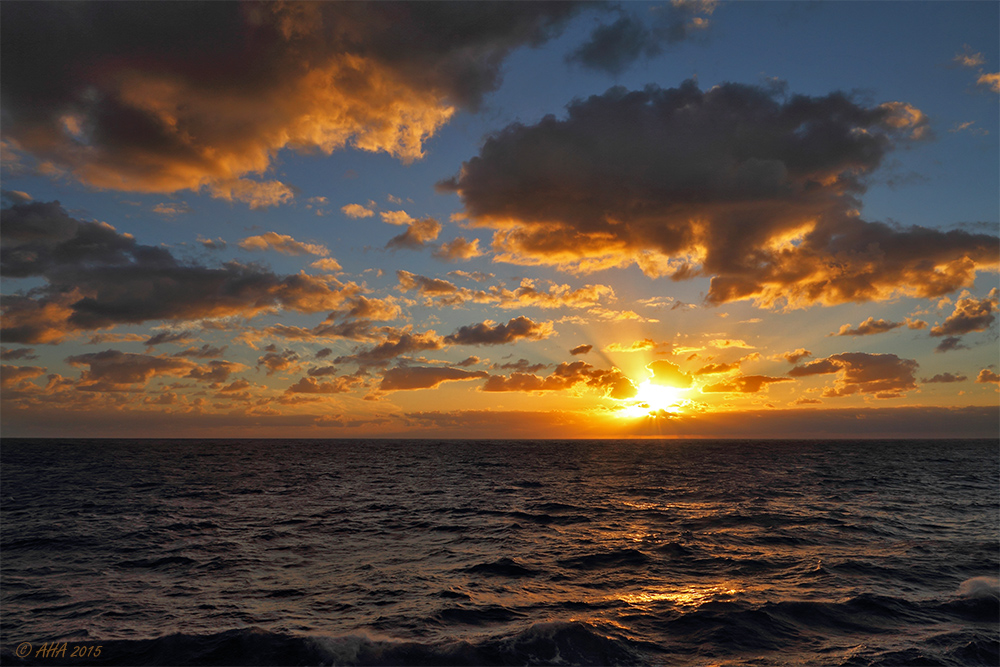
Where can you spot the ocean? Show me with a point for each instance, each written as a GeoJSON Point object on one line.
{"type": "Point", "coordinates": [422, 552]}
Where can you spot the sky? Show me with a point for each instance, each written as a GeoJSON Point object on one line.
{"type": "Point", "coordinates": [510, 220]}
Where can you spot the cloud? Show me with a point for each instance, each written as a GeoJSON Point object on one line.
{"type": "Point", "coordinates": [715, 369]}
{"type": "Point", "coordinates": [795, 356]}
{"type": "Point", "coordinates": [206, 351]}
{"type": "Point", "coordinates": [667, 373]}
{"type": "Point", "coordinates": [611, 383]}
{"type": "Point", "coordinates": [309, 385]}
{"type": "Point", "coordinates": [168, 337]}
{"type": "Point", "coordinates": [212, 244]}
{"type": "Point", "coordinates": [277, 362]}
{"type": "Point", "coordinates": [970, 59]}
{"type": "Point", "coordinates": [757, 191]}
{"type": "Point", "coordinates": [161, 98]}
{"type": "Point", "coordinates": [395, 345]}
{"type": "Point", "coordinates": [172, 209]}
{"type": "Point", "coordinates": [282, 243]}
{"type": "Point", "coordinates": [745, 384]}
{"type": "Point", "coordinates": [945, 377]}
{"type": "Point", "coordinates": [17, 353]}
{"type": "Point", "coordinates": [113, 370]}
{"type": "Point", "coordinates": [11, 376]}
{"type": "Point", "coordinates": [987, 376]}
{"type": "Point", "coordinates": [98, 278]}
{"type": "Point", "coordinates": [418, 233]}
{"type": "Point", "coordinates": [970, 314]}
{"type": "Point", "coordinates": [639, 346]}
{"type": "Point", "coordinates": [357, 211]}
{"type": "Point", "coordinates": [882, 375]}
{"type": "Point", "coordinates": [527, 293]}
{"type": "Point", "coordinates": [424, 377]}
{"type": "Point", "coordinates": [487, 333]}
{"type": "Point", "coordinates": [726, 343]}
{"type": "Point", "coordinates": [612, 48]}
{"type": "Point", "coordinates": [581, 349]}
{"type": "Point", "coordinates": [868, 328]}
{"type": "Point", "coordinates": [468, 361]}
{"type": "Point", "coordinates": [991, 80]}
{"type": "Point", "coordinates": [950, 343]}
{"type": "Point", "coordinates": [521, 365]}
{"type": "Point", "coordinates": [327, 264]}
{"type": "Point", "coordinates": [458, 249]}
{"type": "Point", "coordinates": [215, 371]}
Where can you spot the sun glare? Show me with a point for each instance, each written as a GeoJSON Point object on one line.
{"type": "Point", "coordinates": [651, 399]}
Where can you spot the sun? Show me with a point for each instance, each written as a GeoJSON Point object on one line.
{"type": "Point", "coordinates": [651, 399]}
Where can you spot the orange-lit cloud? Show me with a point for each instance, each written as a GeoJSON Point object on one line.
{"type": "Point", "coordinates": [868, 328]}
{"type": "Point", "coordinates": [795, 356]}
{"type": "Point", "coordinates": [11, 376]}
{"type": "Point", "coordinates": [357, 211]}
{"type": "Point", "coordinates": [112, 370]}
{"type": "Point", "coordinates": [611, 383]}
{"type": "Point", "coordinates": [757, 192]}
{"type": "Point", "coordinates": [881, 375]}
{"type": "Point", "coordinates": [487, 333]}
{"type": "Point", "coordinates": [581, 349]}
{"type": "Point", "coordinates": [987, 376]}
{"type": "Point", "coordinates": [945, 378]}
{"type": "Point", "coordinates": [192, 100]}
{"type": "Point", "coordinates": [458, 249]}
{"type": "Point", "coordinates": [282, 243]}
{"type": "Point", "coordinates": [744, 384]}
{"type": "Point", "coordinates": [418, 233]}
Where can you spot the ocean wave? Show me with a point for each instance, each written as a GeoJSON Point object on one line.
{"type": "Point", "coordinates": [554, 643]}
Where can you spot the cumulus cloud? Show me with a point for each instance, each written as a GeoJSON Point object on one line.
{"type": "Point", "coordinates": [970, 314]}
{"type": "Point", "coordinates": [716, 369]}
{"type": "Point", "coordinates": [113, 370]}
{"type": "Point", "coordinates": [459, 249]}
{"type": "Point", "coordinates": [327, 264]}
{"type": "Point", "coordinates": [394, 345]}
{"type": "Point", "coordinates": [612, 48]}
{"type": "Point", "coordinates": [737, 183]}
{"type": "Point", "coordinates": [424, 377]}
{"type": "Point", "coordinates": [869, 327]}
{"type": "Point", "coordinates": [991, 80]}
{"type": "Point", "coordinates": [795, 356]}
{"type": "Point", "coordinates": [11, 376]}
{"type": "Point", "coordinates": [611, 383]}
{"type": "Point", "coordinates": [160, 98]}
{"type": "Point", "coordinates": [215, 371]}
{"type": "Point", "coordinates": [168, 337]}
{"type": "Point", "coordinates": [725, 343]}
{"type": "Point", "coordinates": [309, 385]}
{"type": "Point", "coordinates": [744, 384]}
{"type": "Point", "coordinates": [282, 243]}
{"type": "Point", "coordinates": [881, 375]}
{"type": "Point", "coordinates": [488, 333]}
{"type": "Point", "coordinates": [206, 351]}
{"type": "Point", "coordinates": [945, 378]}
{"type": "Point", "coordinates": [98, 278]}
{"type": "Point", "coordinates": [357, 211]}
{"type": "Point", "coordinates": [277, 362]}
{"type": "Point", "coordinates": [581, 349]}
{"type": "Point", "coordinates": [418, 233]}
{"type": "Point", "coordinates": [667, 373]}
{"type": "Point", "coordinates": [17, 353]}
{"type": "Point", "coordinates": [987, 376]}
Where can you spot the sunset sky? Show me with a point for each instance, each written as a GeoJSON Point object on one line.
{"type": "Point", "coordinates": [500, 220]}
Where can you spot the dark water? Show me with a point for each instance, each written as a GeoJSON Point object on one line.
{"type": "Point", "coordinates": [423, 552]}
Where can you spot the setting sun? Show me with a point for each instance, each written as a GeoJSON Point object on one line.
{"type": "Point", "coordinates": [652, 399]}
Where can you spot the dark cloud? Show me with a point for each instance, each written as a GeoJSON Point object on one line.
{"type": "Point", "coordinates": [611, 383]}
{"type": "Point", "coordinates": [17, 353]}
{"type": "Point", "coordinates": [11, 376]}
{"type": "Point", "coordinates": [882, 375]}
{"type": "Point", "coordinates": [950, 343]}
{"type": "Point", "coordinates": [206, 351]}
{"type": "Point", "coordinates": [970, 314]}
{"type": "Point", "coordinates": [758, 191]}
{"type": "Point", "coordinates": [715, 369]}
{"type": "Point", "coordinates": [418, 233]}
{"type": "Point", "coordinates": [396, 344]}
{"type": "Point", "coordinates": [309, 385]}
{"type": "Point", "coordinates": [113, 370]}
{"type": "Point", "coordinates": [424, 377]}
{"type": "Point", "coordinates": [795, 356]}
{"type": "Point", "coordinates": [745, 384]}
{"type": "Point", "coordinates": [323, 353]}
{"type": "Point", "coordinates": [160, 97]}
{"type": "Point", "coordinates": [945, 377]}
{"type": "Point", "coordinates": [485, 333]}
{"type": "Point", "coordinates": [277, 362]}
{"type": "Point", "coordinates": [215, 371]}
{"type": "Point", "coordinates": [869, 327]}
{"type": "Point", "coordinates": [581, 349]}
{"type": "Point", "coordinates": [322, 371]}
{"type": "Point", "coordinates": [169, 337]}
{"type": "Point", "coordinates": [612, 48]}
{"type": "Point", "coordinates": [98, 278]}
{"type": "Point", "coordinates": [521, 365]}
{"type": "Point", "coordinates": [468, 361]}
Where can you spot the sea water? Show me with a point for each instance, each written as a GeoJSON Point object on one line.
{"type": "Point", "coordinates": [500, 552]}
